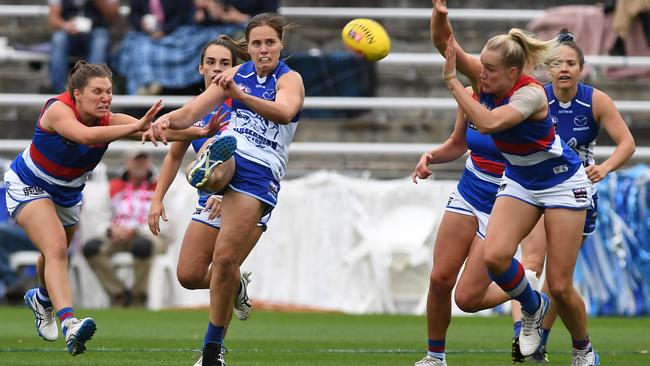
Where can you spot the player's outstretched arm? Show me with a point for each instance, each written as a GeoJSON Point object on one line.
{"type": "Point", "coordinates": [441, 31]}
{"type": "Point", "coordinates": [62, 120]}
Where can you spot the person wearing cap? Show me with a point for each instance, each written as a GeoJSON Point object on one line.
{"type": "Point", "coordinates": [130, 195]}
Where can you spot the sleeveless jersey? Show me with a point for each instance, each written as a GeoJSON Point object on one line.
{"type": "Point", "coordinates": [259, 140]}
{"type": "Point", "coordinates": [483, 170]}
{"type": "Point", "coordinates": [198, 143]}
{"type": "Point", "coordinates": [536, 157]}
{"type": "Point", "coordinates": [59, 166]}
{"type": "Point", "coordinates": [574, 121]}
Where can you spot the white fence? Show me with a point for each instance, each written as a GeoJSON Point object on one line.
{"type": "Point", "coordinates": [21, 99]}
{"type": "Point", "coordinates": [334, 242]}
{"type": "Point", "coordinates": [336, 12]}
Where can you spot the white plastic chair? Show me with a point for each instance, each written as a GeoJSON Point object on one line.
{"type": "Point", "coordinates": [23, 258]}
{"type": "Point", "coordinates": [397, 247]}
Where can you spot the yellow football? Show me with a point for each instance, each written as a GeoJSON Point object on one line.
{"type": "Point", "coordinates": [367, 38]}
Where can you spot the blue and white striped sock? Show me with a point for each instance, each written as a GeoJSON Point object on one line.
{"type": "Point", "coordinates": [43, 297]}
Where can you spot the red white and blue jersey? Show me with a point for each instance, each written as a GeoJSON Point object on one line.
{"type": "Point", "coordinates": [483, 170]}
{"type": "Point", "coordinates": [259, 140]}
{"type": "Point", "coordinates": [574, 121]}
{"type": "Point", "coordinates": [59, 166]}
{"type": "Point", "coordinates": [536, 157]}
{"type": "Point", "coordinates": [198, 143]}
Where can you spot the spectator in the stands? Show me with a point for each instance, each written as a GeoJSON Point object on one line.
{"type": "Point", "coordinates": [131, 195]}
{"type": "Point", "coordinates": [153, 21]}
{"type": "Point", "coordinates": [626, 14]}
{"type": "Point", "coordinates": [82, 29]}
{"type": "Point", "coordinates": [231, 16]}
{"type": "Point", "coordinates": [159, 55]}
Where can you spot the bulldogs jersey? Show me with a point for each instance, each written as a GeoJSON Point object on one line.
{"type": "Point", "coordinates": [59, 166]}
{"type": "Point", "coordinates": [483, 170]}
{"type": "Point", "coordinates": [536, 156]}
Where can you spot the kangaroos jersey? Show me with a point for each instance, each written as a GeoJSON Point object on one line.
{"type": "Point", "coordinates": [198, 143]}
{"type": "Point", "coordinates": [483, 170]}
{"type": "Point", "coordinates": [536, 157]}
{"type": "Point", "coordinates": [260, 140]}
{"type": "Point", "coordinates": [574, 121]}
{"type": "Point", "coordinates": [59, 166]}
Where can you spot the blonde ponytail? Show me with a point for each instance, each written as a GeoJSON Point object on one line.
{"type": "Point", "coordinates": [522, 50]}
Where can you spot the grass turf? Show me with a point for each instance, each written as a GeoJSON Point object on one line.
{"type": "Point", "coordinates": [140, 337]}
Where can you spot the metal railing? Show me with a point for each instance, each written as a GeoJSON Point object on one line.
{"type": "Point", "coordinates": [338, 103]}
{"type": "Point", "coordinates": [336, 12]}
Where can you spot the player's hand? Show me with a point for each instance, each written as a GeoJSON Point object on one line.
{"type": "Point", "coordinates": [213, 204]}
{"type": "Point", "coordinates": [596, 173]}
{"type": "Point", "coordinates": [440, 6]}
{"type": "Point", "coordinates": [156, 212]}
{"type": "Point", "coordinates": [449, 68]}
{"type": "Point", "coordinates": [148, 117]}
{"type": "Point", "coordinates": [156, 131]}
{"type": "Point", "coordinates": [228, 85]}
{"type": "Point", "coordinates": [216, 123]}
{"type": "Point", "coordinates": [422, 170]}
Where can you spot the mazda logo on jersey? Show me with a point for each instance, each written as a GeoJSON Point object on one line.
{"type": "Point", "coordinates": [580, 120]}
{"type": "Point", "coordinates": [269, 94]}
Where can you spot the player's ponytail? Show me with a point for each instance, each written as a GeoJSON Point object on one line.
{"type": "Point", "coordinates": [522, 50]}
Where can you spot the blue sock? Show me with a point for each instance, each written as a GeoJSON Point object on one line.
{"type": "Point", "coordinates": [517, 328]}
{"type": "Point", "coordinates": [43, 297]}
{"type": "Point", "coordinates": [545, 334]}
{"type": "Point", "coordinates": [513, 281]}
{"type": "Point", "coordinates": [436, 348]}
{"type": "Point", "coordinates": [581, 344]}
{"type": "Point", "coordinates": [214, 334]}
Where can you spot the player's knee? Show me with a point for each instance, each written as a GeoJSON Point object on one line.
{"type": "Point", "coordinates": [56, 253]}
{"type": "Point", "coordinates": [561, 290]}
{"type": "Point", "coordinates": [466, 301]}
{"type": "Point", "coordinates": [142, 248]}
{"type": "Point", "coordinates": [224, 262]}
{"type": "Point", "coordinates": [189, 279]}
{"type": "Point", "coordinates": [442, 282]}
{"type": "Point", "coordinates": [92, 248]}
{"type": "Point", "coordinates": [496, 262]}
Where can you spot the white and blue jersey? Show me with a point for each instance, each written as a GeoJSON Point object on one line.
{"type": "Point", "coordinates": [198, 143]}
{"type": "Point", "coordinates": [56, 165]}
{"type": "Point", "coordinates": [536, 157]}
{"type": "Point", "coordinates": [259, 140]}
{"type": "Point", "coordinates": [575, 123]}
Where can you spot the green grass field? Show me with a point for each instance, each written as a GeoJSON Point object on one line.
{"type": "Point", "coordinates": [139, 337]}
